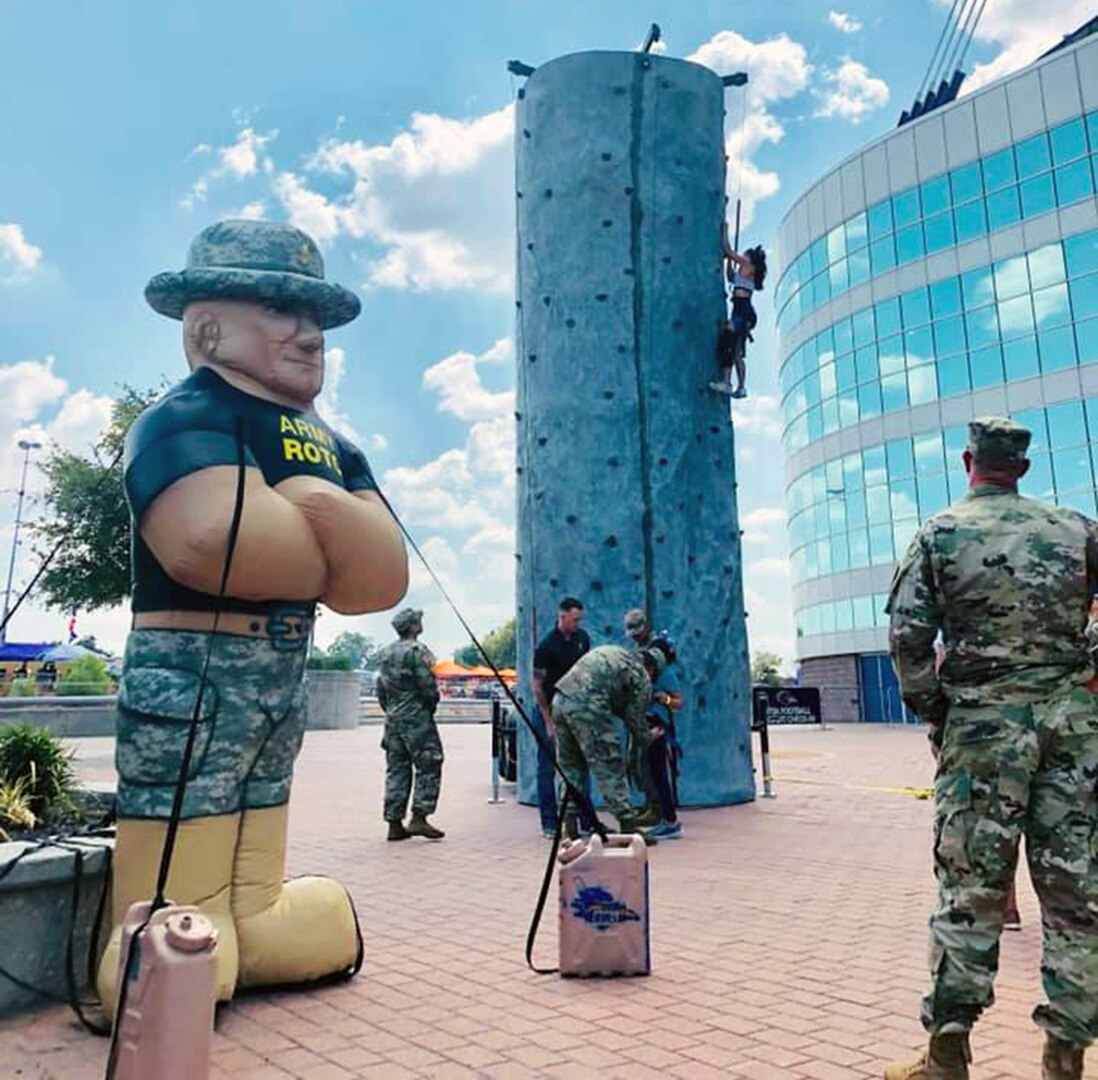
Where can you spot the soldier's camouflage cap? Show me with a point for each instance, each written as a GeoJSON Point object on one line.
{"type": "Point", "coordinates": [407, 617]}
{"type": "Point", "coordinates": [264, 261]}
{"type": "Point", "coordinates": [995, 438]}
{"type": "Point", "coordinates": [635, 619]}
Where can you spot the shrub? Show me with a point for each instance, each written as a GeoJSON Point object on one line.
{"type": "Point", "coordinates": [83, 677]}
{"type": "Point", "coordinates": [15, 811]}
{"type": "Point", "coordinates": [31, 754]}
{"type": "Point", "coordinates": [321, 661]}
{"type": "Point", "coordinates": [23, 687]}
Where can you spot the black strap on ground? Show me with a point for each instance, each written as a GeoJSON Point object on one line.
{"type": "Point", "coordinates": [543, 895]}
{"type": "Point", "coordinates": [159, 901]}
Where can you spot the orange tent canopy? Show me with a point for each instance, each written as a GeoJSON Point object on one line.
{"type": "Point", "coordinates": [449, 669]}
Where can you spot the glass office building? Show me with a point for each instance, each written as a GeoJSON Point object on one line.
{"type": "Point", "coordinates": [948, 270]}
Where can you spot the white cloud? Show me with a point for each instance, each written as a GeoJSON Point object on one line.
{"type": "Point", "coordinates": [242, 158]}
{"type": "Point", "coordinates": [759, 415]}
{"type": "Point", "coordinates": [378, 441]}
{"type": "Point", "coordinates": [764, 525]}
{"type": "Point", "coordinates": [327, 402]}
{"type": "Point", "coordinates": [461, 392]}
{"type": "Point", "coordinates": [18, 256]}
{"type": "Point", "coordinates": [778, 69]}
{"type": "Point", "coordinates": [844, 22]}
{"type": "Point", "coordinates": [1023, 31]}
{"type": "Point", "coordinates": [768, 598]}
{"type": "Point", "coordinates": [307, 209]}
{"type": "Point", "coordinates": [852, 92]}
{"type": "Point", "coordinates": [253, 211]}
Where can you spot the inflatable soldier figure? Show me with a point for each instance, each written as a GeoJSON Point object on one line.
{"type": "Point", "coordinates": [254, 305]}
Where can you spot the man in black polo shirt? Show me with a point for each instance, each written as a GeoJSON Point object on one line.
{"type": "Point", "coordinates": [558, 651]}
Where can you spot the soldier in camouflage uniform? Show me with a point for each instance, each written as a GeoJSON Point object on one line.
{"type": "Point", "coordinates": [1006, 579]}
{"type": "Point", "coordinates": [608, 685]}
{"type": "Point", "coordinates": [408, 692]}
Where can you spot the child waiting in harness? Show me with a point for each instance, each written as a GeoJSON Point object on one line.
{"type": "Point", "coordinates": [746, 274]}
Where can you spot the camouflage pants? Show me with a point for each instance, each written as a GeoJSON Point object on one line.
{"type": "Point", "coordinates": [411, 743]}
{"type": "Point", "coordinates": [590, 741]}
{"type": "Point", "coordinates": [249, 730]}
{"type": "Point", "coordinates": [1006, 771]}
{"type": "Point", "coordinates": [640, 771]}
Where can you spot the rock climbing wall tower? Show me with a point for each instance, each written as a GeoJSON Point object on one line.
{"type": "Point", "coordinates": [626, 473]}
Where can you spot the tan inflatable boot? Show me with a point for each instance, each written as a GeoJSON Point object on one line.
{"type": "Point", "coordinates": [1061, 1060]}
{"type": "Point", "coordinates": [201, 873]}
{"type": "Point", "coordinates": [288, 932]}
{"type": "Point", "coordinates": [946, 1058]}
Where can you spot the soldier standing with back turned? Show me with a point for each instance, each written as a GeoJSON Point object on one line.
{"type": "Point", "coordinates": [1006, 579]}
{"type": "Point", "coordinates": [408, 693]}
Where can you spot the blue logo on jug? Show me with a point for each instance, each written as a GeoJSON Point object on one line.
{"type": "Point", "coordinates": [597, 907]}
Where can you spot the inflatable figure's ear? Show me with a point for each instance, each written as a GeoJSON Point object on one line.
{"type": "Point", "coordinates": [201, 336]}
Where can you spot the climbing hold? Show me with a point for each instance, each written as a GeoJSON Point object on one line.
{"type": "Point", "coordinates": [667, 593]}
{"type": "Point", "coordinates": [532, 357]}
{"type": "Point", "coordinates": [628, 191]}
{"type": "Point", "coordinates": [628, 270]}
{"type": "Point", "coordinates": [621, 348]}
{"type": "Point", "coordinates": [607, 157]}
{"type": "Point", "coordinates": [619, 90]}
{"type": "Point", "coordinates": [553, 582]}
{"type": "Point", "coordinates": [676, 324]}
{"type": "Point", "coordinates": [666, 260]}
{"type": "Point", "coordinates": [546, 300]}
{"type": "Point", "coordinates": [613, 462]}
{"type": "Point", "coordinates": [714, 429]}
{"type": "Point", "coordinates": [542, 440]}
{"type": "Point", "coordinates": [608, 394]}
{"type": "Point", "coordinates": [526, 132]}
{"type": "Point", "coordinates": [548, 192]}
{"type": "Point", "coordinates": [518, 194]}
{"type": "Point", "coordinates": [606, 223]}
{"type": "Point", "coordinates": [611, 541]}
{"type": "Point", "coordinates": [660, 539]}
{"type": "Point", "coordinates": [691, 559]}
{"type": "Point", "coordinates": [518, 303]}
{"type": "Point", "coordinates": [663, 461]}
{"type": "Point", "coordinates": [607, 630]}
{"type": "Point", "coordinates": [596, 585]}
{"type": "Point", "coordinates": [521, 93]}
{"type": "Point", "coordinates": [518, 416]}
{"type": "Point", "coordinates": [571, 519]}
{"type": "Point", "coordinates": [679, 219]}
{"type": "Point", "coordinates": [530, 246]}
{"type": "Point", "coordinates": [701, 701]}
{"type": "Point", "coordinates": [569, 323]}
{"type": "Point", "coordinates": [518, 469]}
{"type": "Point", "coordinates": [602, 296]}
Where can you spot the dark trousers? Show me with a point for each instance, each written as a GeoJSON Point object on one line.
{"type": "Point", "coordinates": [660, 767]}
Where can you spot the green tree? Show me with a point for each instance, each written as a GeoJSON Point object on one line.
{"type": "Point", "coordinates": [86, 513]}
{"type": "Point", "coordinates": [499, 644]}
{"type": "Point", "coordinates": [85, 676]}
{"type": "Point", "coordinates": [765, 669]}
{"type": "Point", "coordinates": [362, 651]}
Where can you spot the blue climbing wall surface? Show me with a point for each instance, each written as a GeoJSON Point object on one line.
{"type": "Point", "coordinates": [626, 474]}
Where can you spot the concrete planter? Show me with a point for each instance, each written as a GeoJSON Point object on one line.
{"type": "Point", "coordinates": [65, 717]}
{"type": "Point", "coordinates": [333, 699]}
{"type": "Point", "coordinates": [36, 912]}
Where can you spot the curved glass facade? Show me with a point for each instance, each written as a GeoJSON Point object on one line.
{"type": "Point", "coordinates": [1002, 316]}
{"type": "Point", "coordinates": [1022, 316]}
{"type": "Point", "coordinates": [1049, 169]}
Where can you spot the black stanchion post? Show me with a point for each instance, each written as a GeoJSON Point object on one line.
{"type": "Point", "coordinates": [497, 738]}
{"type": "Point", "coordinates": [759, 701]}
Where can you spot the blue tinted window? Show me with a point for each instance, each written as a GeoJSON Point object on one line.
{"type": "Point", "coordinates": [939, 232]}
{"type": "Point", "coordinates": [882, 254]}
{"type": "Point", "coordinates": [956, 439]}
{"type": "Point", "coordinates": [909, 244]}
{"type": "Point", "coordinates": [865, 363]}
{"type": "Point", "coordinates": [970, 221]}
{"type": "Point", "coordinates": [1011, 277]}
{"type": "Point", "coordinates": [976, 287]}
{"type": "Point", "coordinates": [845, 378]}
{"type": "Point", "coordinates": [953, 375]}
{"type": "Point", "coordinates": [987, 366]}
{"type": "Point", "coordinates": [1066, 425]}
{"type": "Point", "coordinates": [1051, 306]}
{"type": "Point", "coordinates": [864, 331]}
{"type": "Point", "coordinates": [879, 219]}
{"type": "Point", "coordinates": [1086, 340]}
{"type": "Point", "coordinates": [1038, 481]}
{"type": "Point", "coordinates": [859, 548]}
{"type": "Point", "coordinates": [821, 289]}
{"type": "Point", "coordinates": [1057, 348]}
{"type": "Point", "coordinates": [1074, 182]}
{"type": "Point", "coordinates": [1046, 266]}
{"type": "Point", "coordinates": [999, 169]}
{"type": "Point", "coordinates": [922, 384]}
{"type": "Point", "coordinates": [844, 336]}
{"type": "Point", "coordinates": [918, 346]}
{"type": "Point", "coordinates": [869, 399]}
{"type": "Point", "coordinates": [1084, 296]}
{"type": "Point", "coordinates": [863, 612]}
{"type": "Point", "coordinates": [856, 232]}
{"type": "Point", "coordinates": [905, 503]}
{"type": "Point", "coordinates": [888, 317]}
{"type": "Point", "coordinates": [1032, 155]}
{"type": "Point", "coordinates": [949, 336]}
{"type": "Point", "coordinates": [928, 452]}
{"type": "Point", "coordinates": [838, 276]}
{"type": "Point", "coordinates": [880, 544]}
{"type": "Point", "coordinates": [966, 183]}
{"type": "Point", "coordinates": [945, 297]}
{"type": "Point", "coordinates": [935, 195]}
{"type": "Point", "coordinates": [1081, 253]}
{"type": "Point", "coordinates": [818, 254]}
{"type": "Point", "coordinates": [836, 244]}
{"type": "Point", "coordinates": [916, 307]}
{"type": "Point", "coordinates": [1016, 317]}
{"type": "Point", "coordinates": [933, 495]}
{"type": "Point", "coordinates": [982, 327]}
{"type": "Point", "coordinates": [1069, 141]}
{"type": "Point", "coordinates": [894, 392]}
{"type": "Point", "coordinates": [1083, 501]}
{"type": "Point", "coordinates": [1092, 129]}
{"type": "Point", "coordinates": [858, 265]}
{"type": "Point", "coordinates": [905, 207]}
{"type": "Point", "coordinates": [1037, 195]}
{"type": "Point", "coordinates": [890, 358]}
{"type": "Point", "coordinates": [1003, 208]}
{"type": "Point", "coordinates": [877, 502]}
{"type": "Point", "coordinates": [1020, 358]}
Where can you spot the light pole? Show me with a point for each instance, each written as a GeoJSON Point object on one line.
{"type": "Point", "coordinates": [26, 446]}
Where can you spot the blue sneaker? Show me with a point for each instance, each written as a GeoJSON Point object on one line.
{"type": "Point", "coordinates": [665, 830]}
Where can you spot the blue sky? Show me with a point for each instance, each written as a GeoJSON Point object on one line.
{"type": "Point", "coordinates": [385, 131]}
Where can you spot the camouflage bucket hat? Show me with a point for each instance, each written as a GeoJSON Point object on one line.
{"type": "Point", "coordinates": [407, 617]}
{"type": "Point", "coordinates": [263, 261]}
{"type": "Point", "coordinates": [995, 438]}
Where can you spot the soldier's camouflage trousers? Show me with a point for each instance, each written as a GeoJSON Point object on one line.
{"type": "Point", "coordinates": [591, 741]}
{"type": "Point", "coordinates": [1008, 771]}
{"type": "Point", "coordinates": [411, 742]}
{"type": "Point", "coordinates": [640, 771]}
{"type": "Point", "coordinates": [249, 730]}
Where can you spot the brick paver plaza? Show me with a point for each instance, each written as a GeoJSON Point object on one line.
{"type": "Point", "coordinates": [787, 936]}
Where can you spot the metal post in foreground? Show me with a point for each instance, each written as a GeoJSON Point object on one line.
{"type": "Point", "coordinates": [759, 724]}
{"type": "Point", "coordinates": [497, 742]}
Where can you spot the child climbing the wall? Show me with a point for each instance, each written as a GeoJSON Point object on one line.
{"type": "Point", "coordinates": [746, 274]}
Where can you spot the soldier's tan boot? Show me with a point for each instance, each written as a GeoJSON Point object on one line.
{"type": "Point", "coordinates": [946, 1058]}
{"type": "Point", "coordinates": [1061, 1060]}
{"type": "Point", "coordinates": [420, 826]}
